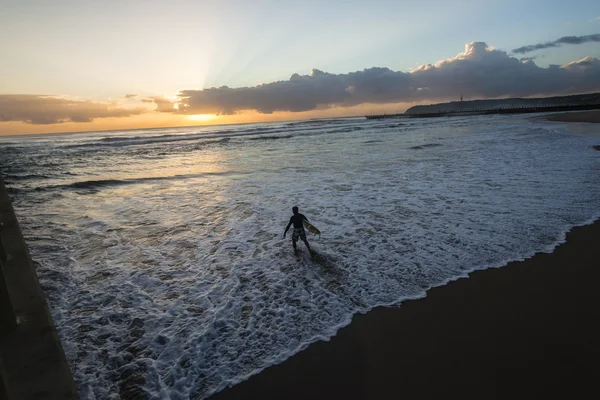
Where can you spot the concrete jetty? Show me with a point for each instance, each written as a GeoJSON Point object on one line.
{"type": "Point", "coordinates": [32, 360]}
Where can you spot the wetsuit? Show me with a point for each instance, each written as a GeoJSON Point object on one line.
{"type": "Point", "coordinates": [296, 220]}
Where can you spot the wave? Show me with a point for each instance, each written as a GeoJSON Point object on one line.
{"type": "Point", "coordinates": [325, 121]}
{"type": "Point", "coordinates": [290, 130]}
{"type": "Point", "coordinates": [271, 137]}
{"type": "Point", "coordinates": [394, 125]}
{"type": "Point", "coordinates": [94, 184]}
{"type": "Point", "coordinates": [372, 141]}
{"type": "Point", "coordinates": [26, 177]}
{"type": "Point", "coordinates": [347, 129]}
{"type": "Point", "coordinates": [103, 183]}
{"type": "Point", "coordinates": [424, 146]}
{"type": "Point", "coordinates": [99, 183]}
{"type": "Point", "coordinates": [144, 140]}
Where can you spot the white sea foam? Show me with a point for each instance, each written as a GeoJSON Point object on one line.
{"type": "Point", "coordinates": [180, 286]}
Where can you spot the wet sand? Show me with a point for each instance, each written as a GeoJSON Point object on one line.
{"type": "Point", "coordinates": [585, 116]}
{"type": "Point", "coordinates": [528, 330]}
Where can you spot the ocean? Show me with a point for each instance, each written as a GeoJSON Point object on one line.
{"type": "Point", "coordinates": [161, 251]}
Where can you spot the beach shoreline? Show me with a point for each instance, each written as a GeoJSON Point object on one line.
{"type": "Point", "coordinates": [525, 330]}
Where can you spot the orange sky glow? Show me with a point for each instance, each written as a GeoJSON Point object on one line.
{"type": "Point", "coordinates": [164, 120]}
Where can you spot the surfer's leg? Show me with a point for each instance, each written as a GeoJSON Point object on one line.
{"type": "Point", "coordinates": [295, 236]}
{"type": "Point", "coordinates": [306, 243]}
{"type": "Point", "coordinates": [303, 237]}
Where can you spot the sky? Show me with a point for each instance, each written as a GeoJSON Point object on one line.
{"type": "Point", "coordinates": [80, 65]}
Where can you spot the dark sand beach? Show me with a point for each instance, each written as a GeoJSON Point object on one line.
{"type": "Point", "coordinates": [528, 330]}
{"type": "Point", "coordinates": [584, 116]}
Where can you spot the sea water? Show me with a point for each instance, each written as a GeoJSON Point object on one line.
{"type": "Point", "coordinates": [161, 251]}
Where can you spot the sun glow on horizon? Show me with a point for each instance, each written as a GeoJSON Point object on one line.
{"type": "Point", "coordinates": [202, 117]}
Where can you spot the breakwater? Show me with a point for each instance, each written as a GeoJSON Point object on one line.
{"type": "Point", "coordinates": [32, 361]}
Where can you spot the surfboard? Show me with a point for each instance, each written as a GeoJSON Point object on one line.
{"type": "Point", "coordinates": [311, 228]}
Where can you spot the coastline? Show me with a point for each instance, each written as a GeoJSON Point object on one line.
{"type": "Point", "coordinates": [525, 330]}
{"type": "Point", "coordinates": [378, 358]}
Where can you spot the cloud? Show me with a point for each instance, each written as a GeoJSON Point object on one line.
{"type": "Point", "coordinates": [558, 43]}
{"type": "Point", "coordinates": [478, 72]}
{"type": "Point", "coordinates": [37, 109]}
{"type": "Point", "coordinates": [163, 104]}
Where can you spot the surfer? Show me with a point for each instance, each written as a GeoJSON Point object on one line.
{"type": "Point", "coordinates": [297, 219]}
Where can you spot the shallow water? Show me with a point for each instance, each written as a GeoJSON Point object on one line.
{"type": "Point", "coordinates": [161, 251]}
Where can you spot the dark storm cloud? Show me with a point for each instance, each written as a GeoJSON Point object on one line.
{"type": "Point", "coordinates": [35, 109]}
{"type": "Point", "coordinates": [479, 72]}
{"type": "Point", "coordinates": [558, 43]}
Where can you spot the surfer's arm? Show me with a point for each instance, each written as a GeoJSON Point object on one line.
{"type": "Point", "coordinates": [287, 227]}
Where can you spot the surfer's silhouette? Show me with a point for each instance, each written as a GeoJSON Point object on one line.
{"type": "Point", "coordinates": [296, 220]}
